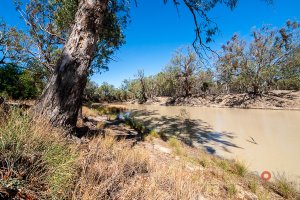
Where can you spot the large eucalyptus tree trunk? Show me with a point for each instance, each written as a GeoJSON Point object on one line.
{"type": "Point", "coordinates": [62, 97]}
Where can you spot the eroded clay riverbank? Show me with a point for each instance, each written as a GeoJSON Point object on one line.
{"type": "Point", "coordinates": [273, 100]}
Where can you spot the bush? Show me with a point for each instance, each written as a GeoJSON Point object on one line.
{"type": "Point", "coordinates": [18, 84]}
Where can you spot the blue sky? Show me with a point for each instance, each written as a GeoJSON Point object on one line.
{"type": "Point", "coordinates": [156, 31]}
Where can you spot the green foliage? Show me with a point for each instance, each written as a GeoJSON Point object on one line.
{"type": "Point", "coordinates": [289, 74]}
{"type": "Point", "coordinates": [19, 84]}
{"type": "Point", "coordinates": [186, 65]}
{"type": "Point", "coordinates": [153, 133]}
{"type": "Point", "coordinates": [65, 13]}
{"type": "Point", "coordinates": [9, 79]}
{"type": "Point", "coordinates": [12, 45]}
{"type": "Point", "coordinates": [106, 92]}
{"type": "Point", "coordinates": [50, 24]}
{"type": "Point", "coordinates": [271, 60]}
{"type": "Point", "coordinates": [90, 93]}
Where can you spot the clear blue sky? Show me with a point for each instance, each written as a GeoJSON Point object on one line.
{"type": "Point", "coordinates": [156, 31]}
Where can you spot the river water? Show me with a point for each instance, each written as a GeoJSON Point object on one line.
{"type": "Point", "coordinates": [266, 140]}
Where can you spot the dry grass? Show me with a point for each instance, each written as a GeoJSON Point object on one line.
{"type": "Point", "coordinates": [113, 170]}
{"type": "Point", "coordinates": [239, 168]}
{"type": "Point", "coordinates": [87, 112]}
{"type": "Point", "coordinates": [284, 187]}
{"type": "Point", "coordinates": [109, 170]}
{"type": "Point", "coordinates": [35, 160]}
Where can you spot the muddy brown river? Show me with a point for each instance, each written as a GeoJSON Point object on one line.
{"type": "Point", "coordinates": [263, 139]}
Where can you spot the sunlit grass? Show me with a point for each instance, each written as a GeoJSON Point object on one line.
{"type": "Point", "coordinates": [231, 189]}
{"type": "Point", "coordinates": [176, 146]}
{"type": "Point", "coordinates": [285, 187]}
{"type": "Point", "coordinates": [239, 168]}
{"type": "Point", "coordinates": [35, 157]}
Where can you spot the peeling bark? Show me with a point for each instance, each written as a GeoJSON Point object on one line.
{"type": "Point", "coordinates": [62, 97]}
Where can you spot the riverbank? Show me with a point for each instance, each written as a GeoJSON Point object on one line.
{"type": "Point", "coordinates": [222, 178]}
{"type": "Point", "coordinates": [47, 164]}
{"type": "Point", "coordinates": [274, 100]}
{"type": "Point", "coordinates": [263, 138]}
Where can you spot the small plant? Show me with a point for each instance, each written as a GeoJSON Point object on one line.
{"type": "Point", "coordinates": [239, 168]}
{"type": "Point", "coordinates": [231, 190]}
{"type": "Point", "coordinates": [136, 125]}
{"type": "Point", "coordinates": [223, 164]}
{"type": "Point", "coordinates": [284, 187]}
{"type": "Point", "coordinates": [263, 195]}
{"type": "Point", "coordinates": [252, 185]}
{"type": "Point", "coordinates": [176, 145]}
{"type": "Point", "coordinates": [111, 116]}
{"type": "Point", "coordinates": [153, 134]}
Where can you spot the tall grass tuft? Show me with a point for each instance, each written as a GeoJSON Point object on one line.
{"type": "Point", "coordinates": [35, 160]}
{"type": "Point", "coordinates": [239, 168]}
{"type": "Point", "coordinates": [176, 145]}
{"type": "Point", "coordinates": [285, 187]}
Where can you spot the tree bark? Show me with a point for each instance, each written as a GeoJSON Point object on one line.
{"type": "Point", "coordinates": [62, 97]}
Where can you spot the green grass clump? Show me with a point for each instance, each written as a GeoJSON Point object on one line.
{"type": "Point", "coordinates": [231, 190]}
{"type": "Point", "coordinates": [176, 145]}
{"type": "Point", "coordinates": [284, 187]}
{"type": "Point", "coordinates": [137, 125]}
{"type": "Point", "coordinates": [239, 168]}
{"type": "Point", "coordinates": [34, 158]}
{"type": "Point", "coordinates": [154, 133]}
{"type": "Point", "coordinates": [252, 185]}
{"type": "Point", "coordinates": [204, 162]}
{"type": "Point", "coordinates": [223, 164]}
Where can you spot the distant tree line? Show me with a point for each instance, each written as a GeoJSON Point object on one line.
{"type": "Point", "coordinates": [270, 61]}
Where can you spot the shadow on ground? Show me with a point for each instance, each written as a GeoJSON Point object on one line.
{"type": "Point", "coordinates": [191, 132]}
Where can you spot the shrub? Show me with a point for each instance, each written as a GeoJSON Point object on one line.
{"type": "Point", "coordinates": [20, 84]}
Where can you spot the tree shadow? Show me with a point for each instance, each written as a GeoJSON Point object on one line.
{"type": "Point", "coordinates": [191, 132]}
